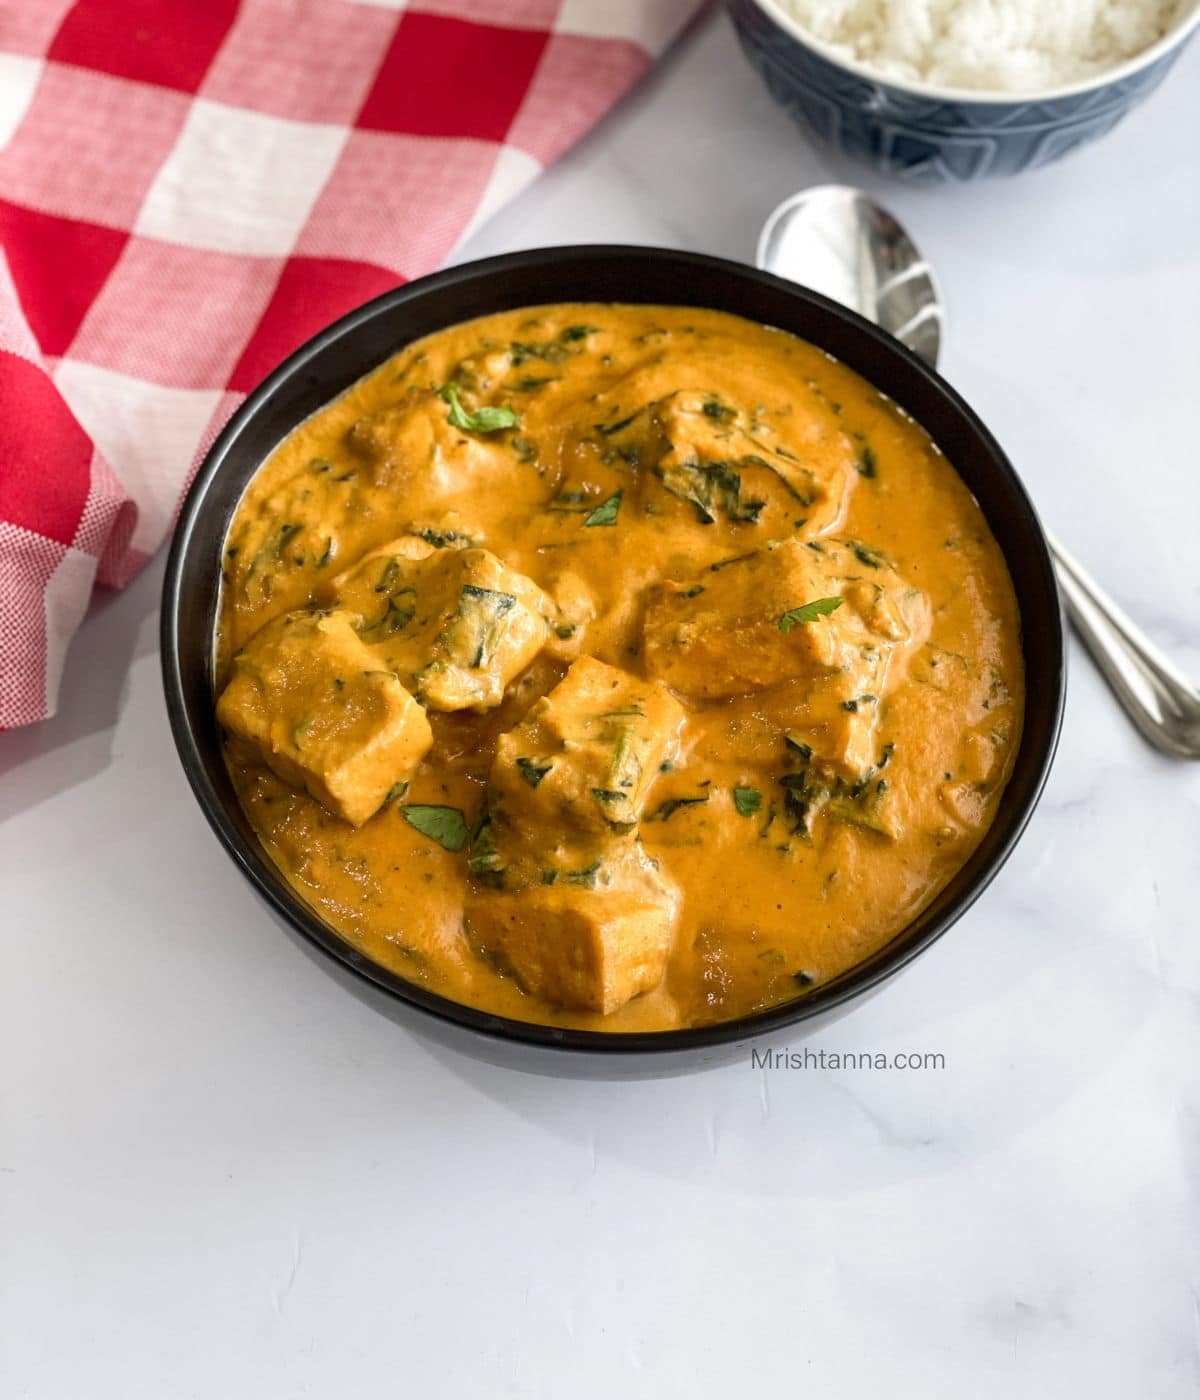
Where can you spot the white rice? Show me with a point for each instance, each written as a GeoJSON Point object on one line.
{"type": "Point", "coordinates": [1008, 45]}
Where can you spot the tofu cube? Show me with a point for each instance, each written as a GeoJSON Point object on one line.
{"type": "Point", "coordinates": [719, 635]}
{"type": "Point", "coordinates": [724, 462]}
{"type": "Point", "coordinates": [310, 696]}
{"type": "Point", "coordinates": [457, 624]}
{"type": "Point", "coordinates": [412, 447]}
{"type": "Point", "coordinates": [839, 722]}
{"type": "Point", "coordinates": [582, 759]}
{"type": "Point", "coordinates": [727, 461]}
{"type": "Point", "coordinates": [580, 946]}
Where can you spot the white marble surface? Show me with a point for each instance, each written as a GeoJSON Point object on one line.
{"type": "Point", "coordinates": [220, 1175]}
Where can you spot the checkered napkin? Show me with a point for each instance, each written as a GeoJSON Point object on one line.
{"type": "Point", "coordinates": [190, 188]}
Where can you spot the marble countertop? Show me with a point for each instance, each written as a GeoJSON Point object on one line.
{"type": "Point", "coordinates": [222, 1175]}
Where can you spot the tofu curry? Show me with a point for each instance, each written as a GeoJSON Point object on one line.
{"type": "Point", "coordinates": [625, 667]}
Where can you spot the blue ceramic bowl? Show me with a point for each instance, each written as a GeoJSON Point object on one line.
{"type": "Point", "coordinates": [930, 134]}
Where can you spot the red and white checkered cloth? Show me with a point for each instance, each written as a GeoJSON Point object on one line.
{"type": "Point", "coordinates": [190, 188]}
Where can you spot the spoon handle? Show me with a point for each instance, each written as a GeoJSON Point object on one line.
{"type": "Point", "coordinates": [1159, 699]}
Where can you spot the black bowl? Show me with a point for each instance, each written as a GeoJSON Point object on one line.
{"type": "Point", "coordinates": [356, 344]}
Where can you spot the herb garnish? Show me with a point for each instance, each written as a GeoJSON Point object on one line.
{"type": "Point", "coordinates": [725, 563]}
{"type": "Point", "coordinates": [532, 771]}
{"type": "Point", "coordinates": [747, 800]}
{"type": "Point", "coordinates": [445, 825]}
{"type": "Point", "coordinates": [665, 810]}
{"type": "Point", "coordinates": [483, 420]}
{"type": "Point", "coordinates": [711, 487]}
{"type": "Point", "coordinates": [570, 502]}
{"type": "Point", "coordinates": [396, 617]}
{"type": "Point", "coordinates": [389, 576]}
{"type": "Point", "coordinates": [750, 460]}
{"type": "Point", "coordinates": [808, 612]}
{"type": "Point", "coordinates": [483, 860]}
{"type": "Point", "coordinates": [870, 557]}
{"type": "Point", "coordinates": [479, 625]}
{"type": "Point", "coordinates": [606, 512]}
{"type": "Point", "coordinates": [442, 539]}
{"type": "Point", "coordinates": [609, 428]}
{"type": "Point", "coordinates": [521, 350]}
{"type": "Point", "coordinates": [286, 531]}
{"type": "Point", "coordinates": [866, 464]}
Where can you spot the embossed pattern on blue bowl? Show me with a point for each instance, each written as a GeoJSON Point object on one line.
{"type": "Point", "coordinates": [931, 139]}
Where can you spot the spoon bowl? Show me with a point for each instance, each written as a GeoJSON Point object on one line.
{"type": "Point", "coordinates": [838, 241]}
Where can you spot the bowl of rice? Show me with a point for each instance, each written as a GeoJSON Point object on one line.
{"type": "Point", "coordinates": [949, 90]}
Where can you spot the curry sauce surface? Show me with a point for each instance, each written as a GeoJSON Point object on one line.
{"type": "Point", "coordinates": [766, 911]}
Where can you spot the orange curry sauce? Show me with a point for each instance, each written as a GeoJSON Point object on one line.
{"type": "Point", "coordinates": [814, 784]}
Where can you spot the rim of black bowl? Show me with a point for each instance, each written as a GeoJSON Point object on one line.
{"type": "Point", "coordinates": [1181, 31]}
{"type": "Point", "coordinates": [363, 339]}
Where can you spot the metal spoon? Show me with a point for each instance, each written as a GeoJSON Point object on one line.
{"type": "Point", "coordinates": [837, 240]}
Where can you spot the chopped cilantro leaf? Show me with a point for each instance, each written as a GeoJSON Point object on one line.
{"type": "Point", "coordinates": [606, 512]}
{"type": "Point", "coordinates": [445, 825]}
{"type": "Point", "coordinates": [808, 612]}
{"type": "Point", "coordinates": [483, 420]}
